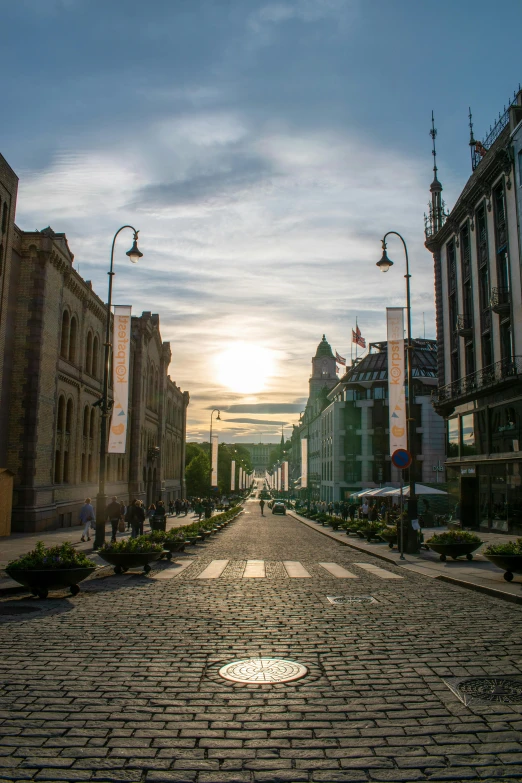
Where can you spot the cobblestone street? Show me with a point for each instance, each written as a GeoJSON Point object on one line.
{"type": "Point", "coordinates": [121, 682]}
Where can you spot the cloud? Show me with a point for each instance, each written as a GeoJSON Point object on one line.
{"type": "Point", "coordinates": [268, 408]}
{"type": "Point", "coordinates": [256, 421]}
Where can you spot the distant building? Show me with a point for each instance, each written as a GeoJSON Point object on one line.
{"type": "Point", "coordinates": [477, 261]}
{"type": "Point", "coordinates": [52, 330]}
{"type": "Point", "coordinates": [354, 433]}
{"type": "Point", "coordinates": [260, 456]}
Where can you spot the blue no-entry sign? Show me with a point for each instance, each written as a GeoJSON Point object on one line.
{"type": "Point", "coordinates": [401, 458]}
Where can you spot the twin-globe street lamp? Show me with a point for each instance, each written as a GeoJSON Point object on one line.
{"type": "Point", "coordinates": [105, 404]}
{"type": "Point", "coordinates": [384, 265]}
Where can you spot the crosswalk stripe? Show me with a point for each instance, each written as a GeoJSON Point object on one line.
{"type": "Point", "coordinates": [175, 568]}
{"type": "Point", "coordinates": [338, 571]}
{"type": "Point", "coordinates": [213, 570]}
{"type": "Point", "coordinates": [376, 571]}
{"type": "Point", "coordinates": [294, 569]}
{"type": "Point", "coordinates": [254, 569]}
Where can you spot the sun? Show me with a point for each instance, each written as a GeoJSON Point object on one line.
{"type": "Point", "coordinates": [245, 368]}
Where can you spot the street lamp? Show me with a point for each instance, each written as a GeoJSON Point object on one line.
{"type": "Point", "coordinates": [105, 404]}
{"type": "Point", "coordinates": [218, 418]}
{"type": "Point", "coordinates": [384, 265]}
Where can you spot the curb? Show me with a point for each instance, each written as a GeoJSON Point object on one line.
{"type": "Point", "coordinates": [509, 597]}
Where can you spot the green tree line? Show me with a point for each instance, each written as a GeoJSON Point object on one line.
{"type": "Point", "coordinates": [197, 470]}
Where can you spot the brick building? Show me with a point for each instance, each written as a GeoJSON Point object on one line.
{"type": "Point", "coordinates": [52, 328]}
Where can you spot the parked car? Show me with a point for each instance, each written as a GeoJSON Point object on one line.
{"type": "Point", "coordinates": [278, 508]}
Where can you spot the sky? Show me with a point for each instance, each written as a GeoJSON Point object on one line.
{"type": "Point", "coordinates": [262, 149]}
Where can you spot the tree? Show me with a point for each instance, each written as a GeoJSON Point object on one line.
{"type": "Point", "coordinates": [192, 450]}
{"type": "Point", "coordinates": [197, 475]}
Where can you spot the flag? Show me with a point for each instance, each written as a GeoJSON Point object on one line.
{"type": "Point", "coordinates": [339, 359]}
{"type": "Point", "coordinates": [358, 338]}
{"type": "Point", "coordinates": [479, 147]}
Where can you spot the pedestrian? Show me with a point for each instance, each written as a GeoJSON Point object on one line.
{"type": "Point", "coordinates": [160, 519]}
{"type": "Point", "coordinates": [171, 507]}
{"type": "Point", "coordinates": [87, 517]}
{"type": "Point", "coordinates": [140, 516]}
{"type": "Point", "coordinates": [365, 510]}
{"type": "Point", "coordinates": [113, 515]}
{"type": "Point", "coordinates": [151, 510]}
{"type": "Point", "coordinates": [262, 506]}
{"type": "Point", "coordinates": [177, 506]}
{"type": "Point", "coordinates": [130, 517]}
{"type": "Point", "coordinates": [185, 507]}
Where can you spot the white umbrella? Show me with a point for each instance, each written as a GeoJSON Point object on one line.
{"type": "Point", "coordinates": [420, 489]}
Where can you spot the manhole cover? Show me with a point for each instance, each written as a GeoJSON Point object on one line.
{"type": "Point", "coordinates": [340, 600]}
{"type": "Point", "coordinates": [13, 609]}
{"type": "Point", "coordinates": [487, 690]}
{"type": "Point", "coordinates": [256, 670]}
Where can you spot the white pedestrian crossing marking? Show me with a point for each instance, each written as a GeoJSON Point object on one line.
{"type": "Point", "coordinates": [175, 568]}
{"type": "Point", "coordinates": [294, 569]}
{"type": "Point", "coordinates": [376, 571]}
{"type": "Point", "coordinates": [254, 569]}
{"type": "Point", "coordinates": [213, 570]}
{"type": "Point", "coordinates": [338, 571]}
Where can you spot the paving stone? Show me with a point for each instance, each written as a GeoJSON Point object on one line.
{"type": "Point", "coordinates": [125, 688]}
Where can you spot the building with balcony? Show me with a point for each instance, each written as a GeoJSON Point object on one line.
{"type": "Point", "coordinates": [354, 425]}
{"type": "Point", "coordinates": [476, 253]}
{"type": "Point", "coordinates": [52, 328]}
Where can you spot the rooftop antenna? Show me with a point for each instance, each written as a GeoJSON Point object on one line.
{"type": "Point", "coordinates": [433, 134]}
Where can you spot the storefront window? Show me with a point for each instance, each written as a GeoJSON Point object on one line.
{"type": "Point", "coordinates": [498, 496]}
{"type": "Point", "coordinates": [505, 427]}
{"type": "Point", "coordinates": [453, 488]}
{"type": "Point", "coordinates": [467, 424]}
{"type": "Point", "coordinates": [453, 437]}
{"type": "Point", "coordinates": [514, 480]}
{"type": "Point", "coordinates": [481, 431]}
{"type": "Point", "coordinates": [483, 499]}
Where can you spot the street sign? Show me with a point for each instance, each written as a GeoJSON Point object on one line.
{"type": "Point", "coordinates": [401, 458]}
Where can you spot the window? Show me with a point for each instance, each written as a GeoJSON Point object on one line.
{"type": "Point", "coordinates": [88, 354]}
{"type": "Point", "coordinates": [60, 440]}
{"type": "Point", "coordinates": [467, 427]}
{"type": "Point", "coordinates": [64, 346]}
{"type": "Point", "coordinates": [453, 437]}
{"type": "Point", "coordinates": [95, 350]}
{"type": "Point", "coordinates": [4, 218]}
{"type": "Point", "coordinates": [72, 340]}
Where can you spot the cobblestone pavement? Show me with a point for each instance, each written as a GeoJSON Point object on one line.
{"type": "Point", "coordinates": [121, 682]}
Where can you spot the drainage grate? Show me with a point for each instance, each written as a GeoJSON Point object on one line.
{"type": "Point", "coordinates": [486, 690]}
{"type": "Point", "coordinates": [14, 609]}
{"type": "Point", "coordinates": [347, 600]}
{"type": "Point", "coordinates": [263, 670]}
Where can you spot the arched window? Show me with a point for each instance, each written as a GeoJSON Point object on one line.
{"type": "Point", "coordinates": [69, 416]}
{"type": "Point", "coordinates": [64, 346]}
{"type": "Point", "coordinates": [157, 391]}
{"type": "Point", "coordinates": [88, 354]}
{"type": "Point", "coordinates": [95, 359]}
{"type": "Point", "coordinates": [92, 425]}
{"type": "Point", "coordinates": [72, 340]}
{"type": "Point", "coordinates": [60, 433]}
{"type": "Point", "coordinates": [86, 421]}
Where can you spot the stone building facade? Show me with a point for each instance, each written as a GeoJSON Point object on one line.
{"type": "Point", "coordinates": [52, 328]}
{"type": "Point", "coordinates": [477, 263]}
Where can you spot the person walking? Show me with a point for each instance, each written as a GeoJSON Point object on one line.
{"type": "Point", "coordinates": [160, 518]}
{"type": "Point", "coordinates": [262, 506]}
{"type": "Point", "coordinates": [113, 515]}
{"type": "Point", "coordinates": [365, 510]}
{"type": "Point", "coordinates": [171, 507]}
{"type": "Point", "coordinates": [140, 516]}
{"type": "Point", "coordinates": [87, 517]}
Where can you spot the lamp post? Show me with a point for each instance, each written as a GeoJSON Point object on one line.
{"type": "Point", "coordinates": [218, 418]}
{"type": "Point", "coordinates": [384, 265]}
{"type": "Point", "coordinates": [105, 404]}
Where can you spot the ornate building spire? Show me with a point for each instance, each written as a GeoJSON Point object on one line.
{"type": "Point", "coordinates": [437, 214]}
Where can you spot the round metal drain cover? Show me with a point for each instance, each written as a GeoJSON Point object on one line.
{"type": "Point", "coordinates": [259, 670]}
{"type": "Point", "coordinates": [496, 689]}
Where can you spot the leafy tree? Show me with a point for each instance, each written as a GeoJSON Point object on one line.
{"type": "Point", "coordinates": [192, 450]}
{"type": "Point", "coordinates": [197, 475]}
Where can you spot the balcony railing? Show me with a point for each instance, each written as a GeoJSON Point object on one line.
{"type": "Point", "coordinates": [464, 326]}
{"type": "Point", "coordinates": [500, 300]}
{"type": "Point", "coordinates": [470, 385]}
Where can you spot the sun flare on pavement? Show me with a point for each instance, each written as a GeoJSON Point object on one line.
{"type": "Point", "coordinates": [245, 368]}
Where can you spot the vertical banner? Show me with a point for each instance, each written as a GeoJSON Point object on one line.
{"type": "Point", "coordinates": [214, 477]}
{"type": "Point", "coordinates": [233, 475]}
{"type": "Point", "coordinates": [304, 463]}
{"type": "Point", "coordinates": [396, 378]}
{"type": "Point", "coordinates": [240, 477]}
{"type": "Point", "coordinates": [279, 478]}
{"type": "Point", "coordinates": [285, 476]}
{"type": "Point", "coordinates": [120, 379]}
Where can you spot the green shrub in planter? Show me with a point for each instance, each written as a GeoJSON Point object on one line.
{"type": "Point", "coordinates": [141, 545]}
{"type": "Point", "coordinates": [42, 558]}
{"type": "Point", "coordinates": [509, 548]}
{"type": "Point", "coordinates": [455, 537]}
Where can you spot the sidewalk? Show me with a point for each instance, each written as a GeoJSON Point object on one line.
{"type": "Point", "coordinates": [479, 574]}
{"type": "Point", "coordinates": [17, 544]}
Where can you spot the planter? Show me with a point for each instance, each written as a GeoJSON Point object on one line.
{"type": "Point", "coordinates": [40, 582]}
{"type": "Point", "coordinates": [455, 550]}
{"type": "Point", "coordinates": [512, 564]}
{"type": "Point", "coordinates": [391, 538]}
{"type": "Point", "coordinates": [173, 546]}
{"type": "Point", "coordinates": [122, 561]}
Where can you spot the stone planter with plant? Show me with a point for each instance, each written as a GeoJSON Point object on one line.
{"type": "Point", "coordinates": [507, 556]}
{"type": "Point", "coordinates": [51, 568]}
{"type": "Point", "coordinates": [454, 543]}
